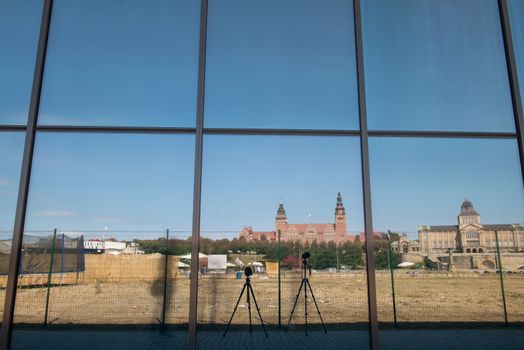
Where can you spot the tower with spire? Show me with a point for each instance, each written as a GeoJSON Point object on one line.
{"type": "Point", "coordinates": [281, 219]}
{"type": "Point", "coordinates": [340, 217]}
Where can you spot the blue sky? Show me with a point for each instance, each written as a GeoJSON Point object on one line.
{"type": "Point", "coordinates": [281, 64]}
{"type": "Point", "coordinates": [145, 182]}
{"type": "Point", "coordinates": [119, 181]}
{"type": "Point", "coordinates": [435, 65]}
{"type": "Point", "coordinates": [11, 146]}
{"type": "Point", "coordinates": [280, 68]}
{"type": "Point", "coordinates": [19, 26]}
{"type": "Point", "coordinates": [424, 181]}
{"type": "Point", "coordinates": [116, 72]}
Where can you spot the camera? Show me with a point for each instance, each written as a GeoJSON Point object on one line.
{"type": "Point", "coordinates": [248, 271]}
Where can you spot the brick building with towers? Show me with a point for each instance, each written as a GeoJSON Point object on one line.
{"type": "Point", "coordinates": [306, 232]}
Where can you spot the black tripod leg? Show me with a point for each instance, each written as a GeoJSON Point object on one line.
{"type": "Point", "coordinates": [316, 305]}
{"type": "Point", "coordinates": [258, 309]}
{"type": "Point", "coordinates": [249, 310]}
{"type": "Point", "coordinates": [234, 310]}
{"type": "Point", "coordinates": [294, 306]}
{"type": "Point", "coordinates": [305, 301]}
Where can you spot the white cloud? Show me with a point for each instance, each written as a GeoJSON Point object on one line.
{"type": "Point", "coordinates": [54, 213]}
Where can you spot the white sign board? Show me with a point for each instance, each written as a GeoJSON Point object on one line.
{"type": "Point", "coordinates": [217, 262]}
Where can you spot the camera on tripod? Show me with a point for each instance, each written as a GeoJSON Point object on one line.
{"type": "Point", "coordinates": [250, 294]}
{"type": "Point", "coordinates": [305, 286]}
{"type": "Point", "coordinates": [248, 271]}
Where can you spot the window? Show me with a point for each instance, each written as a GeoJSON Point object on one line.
{"type": "Point", "coordinates": [435, 65]}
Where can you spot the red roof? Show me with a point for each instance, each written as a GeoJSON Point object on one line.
{"type": "Point", "coordinates": [270, 235]}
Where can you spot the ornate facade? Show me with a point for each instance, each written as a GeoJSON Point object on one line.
{"type": "Point", "coordinates": [404, 245]}
{"type": "Point", "coordinates": [470, 236]}
{"type": "Point", "coordinates": [329, 232]}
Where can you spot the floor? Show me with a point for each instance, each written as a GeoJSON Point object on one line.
{"type": "Point", "coordinates": [338, 339]}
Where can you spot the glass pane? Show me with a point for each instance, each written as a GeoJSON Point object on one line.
{"type": "Point", "coordinates": [289, 187]}
{"type": "Point", "coordinates": [281, 64]}
{"type": "Point", "coordinates": [11, 148]}
{"type": "Point", "coordinates": [96, 236]}
{"type": "Point", "coordinates": [435, 65]}
{"type": "Point", "coordinates": [516, 14]}
{"type": "Point", "coordinates": [124, 62]}
{"type": "Point", "coordinates": [19, 30]}
{"type": "Point", "coordinates": [442, 201]}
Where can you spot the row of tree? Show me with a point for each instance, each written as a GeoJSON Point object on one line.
{"type": "Point", "coordinates": [323, 255]}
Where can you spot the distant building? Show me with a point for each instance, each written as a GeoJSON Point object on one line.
{"type": "Point", "coordinates": [250, 235]}
{"type": "Point", "coordinates": [470, 236]}
{"type": "Point", "coordinates": [97, 246]}
{"type": "Point", "coordinates": [404, 245]}
{"type": "Point", "coordinates": [328, 232]}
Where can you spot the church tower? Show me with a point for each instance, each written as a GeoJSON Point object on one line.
{"type": "Point", "coordinates": [340, 217]}
{"type": "Point", "coordinates": [281, 220]}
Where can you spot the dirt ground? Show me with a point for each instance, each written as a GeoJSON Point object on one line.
{"type": "Point", "coordinates": [341, 297]}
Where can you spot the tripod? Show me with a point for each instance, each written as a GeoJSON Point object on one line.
{"type": "Point", "coordinates": [306, 285]}
{"type": "Point", "coordinates": [247, 286]}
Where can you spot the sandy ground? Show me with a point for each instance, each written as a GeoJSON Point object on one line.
{"type": "Point", "coordinates": [342, 298]}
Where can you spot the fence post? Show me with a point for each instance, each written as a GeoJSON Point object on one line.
{"type": "Point", "coordinates": [166, 266]}
{"type": "Point", "coordinates": [499, 263]}
{"type": "Point", "coordinates": [279, 257]}
{"type": "Point", "coordinates": [390, 257]}
{"type": "Point", "coordinates": [62, 260]}
{"type": "Point", "coordinates": [49, 277]}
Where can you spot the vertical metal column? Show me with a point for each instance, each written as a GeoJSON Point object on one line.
{"type": "Point", "coordinates": [366, 181]}
{"type": "Point", "coordinates": [25, 175]}
{"type": "Point", "coordinates": [499, 265]}
{"type": "Point", "coordinates": [197, 191]}
{"type": "Point", "coordinates": [513, 79]}
{"type": "Point", "coordinates": [390, 264]}
{"type": "Point", "coordinates": [166, 268]}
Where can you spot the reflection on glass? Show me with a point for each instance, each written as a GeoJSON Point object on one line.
{"type": "Point", "coordinates": [11, 147]}
{"type": "Point", "coordinates": [300, 188]}
{"type": "Point", "coordinates": [127, 62]}
{"type": "Point", "coordinates": [281, 64]}
{"type": "Point", "coordinates": [439, 206]}
{"type": "Point", "coordinates": [435, 65]}
{"type": "Point", "coordinates": [19, 29]}
{"type": "Point", "coordinates": [516, 14]}
{"type": "Point", "coordinates": [96, 231]}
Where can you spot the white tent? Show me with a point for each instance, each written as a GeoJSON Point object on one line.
{"type": "Point", "coordinates": [231, 265]}
{"type": "Point", "coordinates": [181, 264]}
{"type": "Point", "coordinates": [406, 264]}
{"type": "Point", "coordinates": [256, 263]}
{"type": "Point", "coordinates": [188, 256]}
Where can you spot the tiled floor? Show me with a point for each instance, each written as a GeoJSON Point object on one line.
{"type": "Point", "coordinates": [356, 339]}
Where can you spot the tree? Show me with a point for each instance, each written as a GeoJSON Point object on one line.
{"type": "Point", "coordinates": [381, 255]}
{"type": "Point", "coordinates": [350, 254]}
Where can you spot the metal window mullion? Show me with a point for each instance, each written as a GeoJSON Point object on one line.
{"type": "Point", "coordinates": [197, 190]}
{"type": "Point", "coordinates": [12, 128]}
{"type": "Point", "coordinates": [115, 129]}
{"type": "Point", "coordinates": [513, 79]}
{"type": "Point", "coordinates": [366, 181]}
{"type": "Point", "coordinates": [23, 189]}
